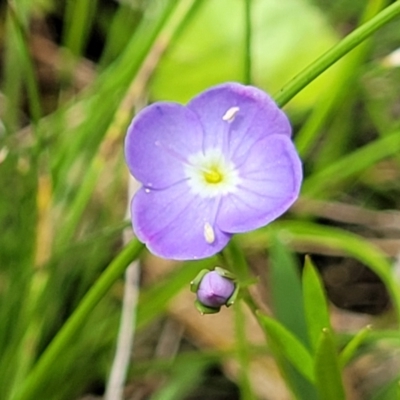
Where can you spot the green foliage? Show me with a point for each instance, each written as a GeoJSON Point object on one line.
{"type": "Point", "coordinates": [315, 303]}
{"type": "Point", "coordinates": [327, 371]}
{"type": "Point", "coordinates": [207, 51]}
{"type": "Point", "coordinates": [286, 290]}
{"type": "Point", "coordinates": [295, 328]}
{"type": "Point", "coordinates": [72, 75]}
{"type": "Point", "coordinates": [353, 345]}
{"type": "Point", "coordinates": [284, 343]}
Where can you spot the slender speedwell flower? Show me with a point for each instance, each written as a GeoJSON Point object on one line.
{"type": "Point", "coordinates": [221, 165]}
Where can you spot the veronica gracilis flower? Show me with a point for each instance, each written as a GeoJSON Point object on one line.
{"type": "Point", "coordinates": [220, 165]}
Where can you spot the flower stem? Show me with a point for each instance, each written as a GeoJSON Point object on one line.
{"type": "Point", "coordinates": [352, 40]}
{"type": "Point", "coordinates": [119, 369]}
{"type": "Point", "coordinates": [59, 345]}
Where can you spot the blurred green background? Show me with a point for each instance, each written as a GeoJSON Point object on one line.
{"type": "Point", "coordinates": [74, 72]}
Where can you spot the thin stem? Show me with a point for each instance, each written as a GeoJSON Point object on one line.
{"type": "Point", "coordinates": [60, 343]}
{"type": "Point", "coordinates": [248, 299]}
{"type": "Point", "coordinates": [247, 44]}
{"type": "Point", "coordinates": [126, 333]}
{"type": "Point", "coordinates": [243, 354]}
{"type": "Point", "coordinates": [352, 40]}
{"type": "Point", "coordinates": [120, 365]}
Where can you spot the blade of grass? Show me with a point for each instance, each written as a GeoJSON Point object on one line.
{"type": "Point", "coordinates": [286, 290]}
{"type": "Point", "coordinates": [287, 301]}
{"type": "Point", "coordinates": [321, 182]}
{"type": "Point", "coordinates": [338, 90]}
{"type": "Point", "coordinates": [287, 345]}
{"type": "Point", "coordinates": [78, 21]}
{"type": "Point", "coordinates": [352, 245]}
{"type": "Point", "coordinates": [327, 370]}
{"type": "Point", "coordinates": [348, 352]}
{"type": "Point", "coordinates": [125, 18]}
{"type": "Point", "coordinates": [352, 40]}
{"type": "Point", "coordinates": [13, 73]}
{"type": "Point", "coordinates": [302, 232]}
{"type": "Point", "coordinates": [21, 37]}
{"type": "Point", "coordinates": [37, 377]}
{"type": "Point", "coordinates": [112, 84]}
{"type": "Point", "coordinates": [122, 117]}
{"type": "Point", "coordinates": [315, 303]}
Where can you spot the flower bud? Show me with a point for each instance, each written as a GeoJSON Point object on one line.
{"type": "Point", "coordinates": [215, 290]}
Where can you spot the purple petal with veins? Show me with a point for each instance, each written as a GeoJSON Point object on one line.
{"type": "Point", "coordinates": [223, 164]}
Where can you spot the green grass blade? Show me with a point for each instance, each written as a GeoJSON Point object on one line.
{"type": "Point", "coordinates": [338, 90]}
{"type": "Point", "coordinates": [287, 345]}
{"type": "Point", "coordinates": [286, 291]}
{"type": "Point", "coordinates": [321, 183]}
{"type": "Point", "coordinates": [352, 245]}
{"type": "Point", "coordinates": [29, 76]}
{"type": "Point", "coordinates": [37, 377]}
{"type": "Point", "coordinates": [79, 17]}
{"type": "Point", "coordinates": [315, 303]}
{"type": "Point", "coordinates": [352, 40]}
{"type": "Point", "coordinates": [307, 233]}
{"type": "Point", "coordinates": [327, 371]}
{"type": "Point", "coordinates": [352, 346]}
{"type": "Point", "coordinates": [82, 150]}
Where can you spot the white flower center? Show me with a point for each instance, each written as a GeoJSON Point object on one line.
{"type": "Point", "coordinates": [211, 175]}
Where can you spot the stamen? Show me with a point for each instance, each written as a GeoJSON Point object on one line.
{"type": "Point", "coordinates": [213, 175]}
{"type": "Point", "coordinates": [209, 233]}
{"type": "Point", "coordinates": [230, 115]}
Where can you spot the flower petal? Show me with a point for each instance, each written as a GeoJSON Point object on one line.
{"type": "Point", "coordinates": [270, 183]}
{"type": "Point", "coordinates": [235, 116]}
{"type": "Point", "coordinates": [159, 140]}
{"type": "Point", "coordinates": [174, 223]}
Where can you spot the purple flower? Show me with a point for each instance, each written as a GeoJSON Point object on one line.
{"type": "Point", "coordinates": [215, 290]}
{"type": "Point", "coordinates": [221, 165]}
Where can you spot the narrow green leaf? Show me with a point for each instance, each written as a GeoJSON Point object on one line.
{"type": "Point", "coordinates": [29, 74]}
{"type": "Point", "coordinates": [276, 29]}
{"type": "Point", "coordinates": [315, 303]}
{"type": "Point", "coordinates": [335, 53]}
{"type": "Point", "coordinates": [349, 243]}
{"type": "Point", "coordinates": [81, 150]}
{"type": "Point", "coordinates": [37, 377]}
{"type": "Point", "coordinates": [327, 370]}
{"type": "Point", "coordinates": [352, 165]}
{"type": "Point", "coordinates": [287, 345]}
{"type": "Point", "coordinates": [79, 18]}
{"type": "Point", "coordinates": [348, 352]}
{"type": "Point", "coordinates": [286, 291]}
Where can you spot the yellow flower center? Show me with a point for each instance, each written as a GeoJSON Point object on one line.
{"type": "Point", "coordinates": [213, 175]}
